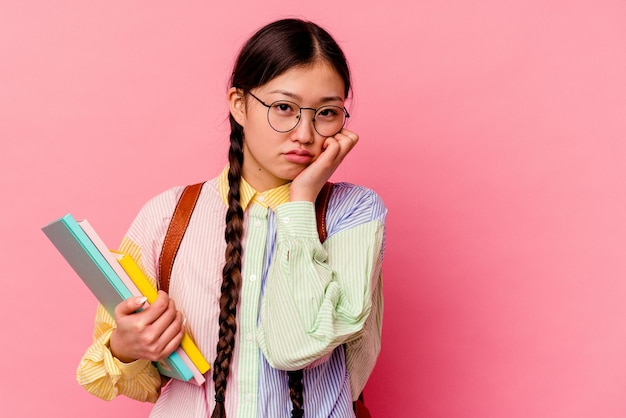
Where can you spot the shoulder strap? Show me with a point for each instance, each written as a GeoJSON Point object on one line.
{"type": "Point", "coordinates": [182, 215]}
{"type": "Point", "coordinates": [176, 231]}
{"type": "Point", "coordinates": [321, 207]}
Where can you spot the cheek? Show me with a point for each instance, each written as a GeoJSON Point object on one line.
{"type": "Point", "coordinates": [258, 127]}
{"type": "Point", "coordinates": [260, 142]}
{"type": "Point", "coordinates": [319, 145]}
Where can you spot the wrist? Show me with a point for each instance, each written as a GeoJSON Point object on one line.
{"type": "Point", "coordinates": [114, 348]}
{"type": "Point", "coordinates": [302, 194]}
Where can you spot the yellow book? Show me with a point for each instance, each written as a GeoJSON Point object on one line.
{"type": "Point", "coordinates": [145, 287]}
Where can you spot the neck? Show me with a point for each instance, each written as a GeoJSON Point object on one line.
{"type": "Point", "coordinates": [261, 182]}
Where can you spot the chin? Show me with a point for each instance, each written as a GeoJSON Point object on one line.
{"type": "Point", "coordinates": [291, 173]}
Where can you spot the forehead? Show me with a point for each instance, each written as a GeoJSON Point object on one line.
{"type": "Point", "coordinates": [317, 82]}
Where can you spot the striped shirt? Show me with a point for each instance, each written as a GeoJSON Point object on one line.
{"type": "Point", "coordinates": [303, 305]}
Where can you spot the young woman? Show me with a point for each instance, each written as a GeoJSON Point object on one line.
{"type": "Point", "coordinates": [293, 326]}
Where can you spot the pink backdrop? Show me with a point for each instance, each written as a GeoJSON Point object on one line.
{"type": "Point", "coordinates": [493, 130]}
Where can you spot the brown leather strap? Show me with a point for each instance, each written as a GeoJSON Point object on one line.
{"type": "Point", "coordinates": [176, 231]}
{"type": "Point", "coordinates": [360, 409]}
{"type": "Point", "coordinates": [321, 207]}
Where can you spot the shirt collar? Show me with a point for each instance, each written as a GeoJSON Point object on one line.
{"type": "Point", "coordinates": [270, 198]}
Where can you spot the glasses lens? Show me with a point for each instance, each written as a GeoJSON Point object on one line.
{"type": "Point", "coordinates": [329, 120]}
{"type": "Point", "coordinates": [283, 116]}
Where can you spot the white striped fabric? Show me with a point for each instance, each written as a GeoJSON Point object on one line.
{"type": "Point", "coordinates": [313, 299]}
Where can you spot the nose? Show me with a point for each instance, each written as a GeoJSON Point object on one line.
{"type": "Point", "coordinates": [305, 130]}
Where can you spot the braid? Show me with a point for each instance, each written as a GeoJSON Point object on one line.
{"type": "Point", "coordinates": [271, 51]}
{"type": "Point", "coordinates": [231, 275]}
{"type": "Point", "coordinates": [296, 393]}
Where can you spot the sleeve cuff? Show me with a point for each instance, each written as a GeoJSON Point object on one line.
{"type": "Point", "coordinates": [120, 370]}
{"type": "Point", "coordinates": [116, 368]}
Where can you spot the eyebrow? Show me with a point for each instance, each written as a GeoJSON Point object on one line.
{"type": "Point", "coordinates": [299, 98]}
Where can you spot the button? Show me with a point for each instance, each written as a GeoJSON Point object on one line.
{"type": "Point", "coordinates": [252, 277]}
{"type": "Point", "coordinates": [249, 336]}
{"type": "Point", "coordinates": [260, 198]}
{"type": "Point", "coordinates": [286, 220]}
{"type": "Point", "coordinates": [257, 223]}
{"type": "Point", "coordinates": [248, 398]}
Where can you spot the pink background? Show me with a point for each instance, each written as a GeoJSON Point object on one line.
{"type": "Point", "coordinates": [494, 130]}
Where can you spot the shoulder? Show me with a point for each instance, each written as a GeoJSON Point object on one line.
{"type": "Point", "coordinates": [348, 197]}
{"type": "Point", "coordinates": [155, 215]}
{"type": "Point", "coordinates": [351, 205]}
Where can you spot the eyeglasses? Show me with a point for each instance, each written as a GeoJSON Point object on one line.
{"type": "Point", "coordinates": [283, 116]}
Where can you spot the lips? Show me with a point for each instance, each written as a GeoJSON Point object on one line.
{"type": "Point", "coordinates": [299, 156]}
{"type": "Point", "coordinates": [301, 152]}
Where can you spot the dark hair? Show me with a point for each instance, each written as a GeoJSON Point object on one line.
{"type": "Point", "coordinates": [282, 45]}
{"type": "Point", "coordinates": [270, 52]}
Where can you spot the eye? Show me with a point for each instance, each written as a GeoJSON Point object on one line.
{"type": "Point", "coordinates": [285, 108]}
{"type": "Point", "coordinates": [329, 112]}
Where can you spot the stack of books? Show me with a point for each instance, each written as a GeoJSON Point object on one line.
{"type": "Point", "coordinates": [113, 277]}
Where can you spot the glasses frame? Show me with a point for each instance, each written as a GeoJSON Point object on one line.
{"type": "Point", "coordinates": [299, 117]}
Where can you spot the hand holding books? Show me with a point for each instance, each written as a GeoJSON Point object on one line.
{"type": "Point", "coordinates": [153, 334]}
{"type": "Point", "coordinates": [116, 281]}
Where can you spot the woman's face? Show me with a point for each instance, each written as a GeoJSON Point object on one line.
{"type": "Point", "coordinates": [273, 158]}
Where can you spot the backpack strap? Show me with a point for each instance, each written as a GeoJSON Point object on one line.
{"type": "Point", "coordinates": [321, 207]}
{"type": "Point", "coordinates": [360, 409]}
{"type": "Point", "coordinates": [176, 231]}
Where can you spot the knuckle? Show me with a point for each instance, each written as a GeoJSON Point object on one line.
{"type": "Point", "coordinates": [172, 305]}
{"type": "Point", "coordinates": [160, 303]}
{"type": "Point", "coordinates": [138, 326]}
{"type": "Point", "coordinates": [154, 356]}
{"type": "Point", "coordinates": [150, 337]}
{"type": "Point", "coordinates": [146, 339]}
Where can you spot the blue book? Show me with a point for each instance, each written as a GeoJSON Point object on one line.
{"type": "Point", "coordinates": [95, 271]}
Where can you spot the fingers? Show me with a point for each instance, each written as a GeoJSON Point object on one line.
{"type": "Point", "coordinates": [171, 338]}
{"type": "Point", "coordinates": [163, 336]}
{"type": "Point", "coordinates": [347, 134]}
{"type": "Point", "coordinates": [336, 148]}
{"type": "Point", "coordinates": [310, 181]}
{"type": "Point", "coordinates": [153, 333]}
{"type": "Point", "coordinates": [346, 140]}
{"type": "Point", "coordinates": [130, 306]}
{"type": "Point", "coordinates": [158, 308]}
{"type": "Point", "coordinates": [168, 324]}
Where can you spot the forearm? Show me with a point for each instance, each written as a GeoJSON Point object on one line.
{"type": "Point", "coordinates": [317, 297]}
{"type": "Point", "coordinates": [362, 353]}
